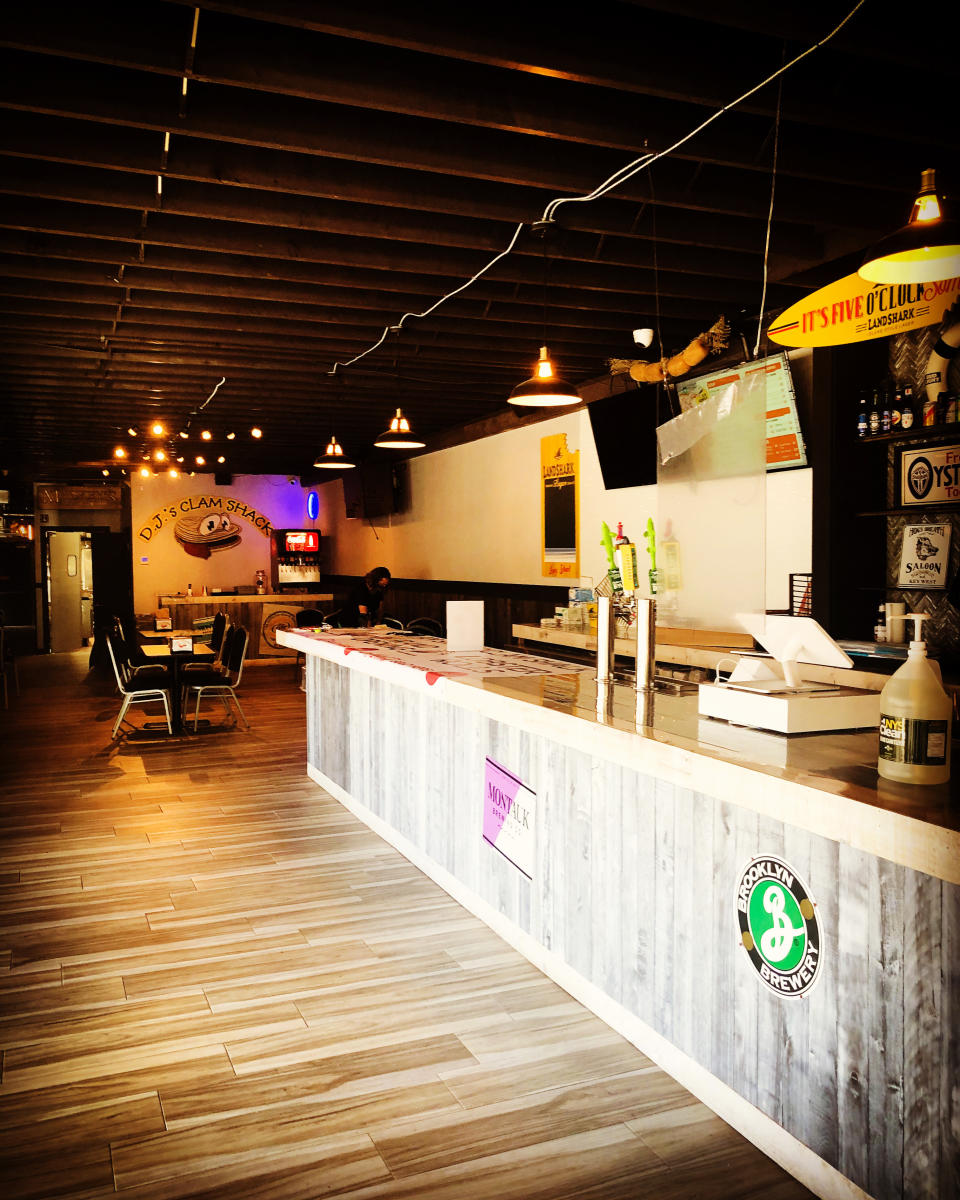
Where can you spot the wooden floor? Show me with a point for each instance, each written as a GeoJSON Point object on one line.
{"type": "Point", "coordinates": [215, 982]}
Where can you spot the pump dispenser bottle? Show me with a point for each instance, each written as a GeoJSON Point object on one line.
{"type": "Point", "coordinates": [915, 715]}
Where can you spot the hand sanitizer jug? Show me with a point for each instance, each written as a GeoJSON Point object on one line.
{"type": "Point", "coordinates": [915, 716]}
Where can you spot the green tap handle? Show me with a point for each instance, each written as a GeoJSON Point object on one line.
{"type": "Point", "coordinates": [651, 541]}
{"type": "Point", "coordinates": [606, 541]}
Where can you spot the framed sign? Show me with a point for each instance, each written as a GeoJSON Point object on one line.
{"type": "Point", "coordinates": [924, 556]}
{"type": "Point", "coordinates": [508, 816]}
{"type": "Point", "coordinates": [559, 507]}
{"type": "Point", "coordinates": [930, 475]}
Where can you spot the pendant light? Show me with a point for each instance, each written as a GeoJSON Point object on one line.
{"type": "Point", "coordinates": [544, 389]}
{"type": "Point", "coordinates": [334, 458]}
{"type": "Point", "coordinates": [399, 436]}
{"type": "Point", "coordinates": [926, 249]}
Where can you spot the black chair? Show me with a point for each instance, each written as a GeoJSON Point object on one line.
{"type": "Point", "coordinates": [130, 669]}
{"type": "Point", "coordinates": [134, 692]}
{"type": "Point", "coordinates": [391, 621]}
{"type": "Point", "coordinates": [426, 626]}
{"type": "Point", "coordinates": [333, 618]}
{"type": "Point", "coordinates": [221, 683]}
{"type": "Point", "coordinates": [217, 664]}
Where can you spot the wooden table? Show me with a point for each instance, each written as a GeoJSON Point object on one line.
{"type": "Point", "coordinates": [162, 651]}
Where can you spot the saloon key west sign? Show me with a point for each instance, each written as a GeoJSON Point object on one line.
{"type": "Point", "coordinates": [855, 310]}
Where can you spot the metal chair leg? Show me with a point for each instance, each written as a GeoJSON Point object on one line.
{"type": "Point", "coordinates": [123, 708]}
{"type": "Point", "coordinates": [240, 710]}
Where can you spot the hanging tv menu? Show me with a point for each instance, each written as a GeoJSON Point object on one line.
{"type": "Point", "coordinates": [785, 446]}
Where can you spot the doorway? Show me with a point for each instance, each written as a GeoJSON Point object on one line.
{"type": "Point", "coordinates": [69, 563]}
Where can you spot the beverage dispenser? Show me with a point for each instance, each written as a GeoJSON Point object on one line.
{"type": "Point", "coordinates": [295, 561]}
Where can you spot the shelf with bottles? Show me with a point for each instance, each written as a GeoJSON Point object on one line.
{"type": "Point", "coordinates": [895, 414]}
{"type": "Point", "coordinates": [918, 433]}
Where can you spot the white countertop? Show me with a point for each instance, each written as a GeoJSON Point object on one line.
{"type": "Point", "coordinates": [826, 783]}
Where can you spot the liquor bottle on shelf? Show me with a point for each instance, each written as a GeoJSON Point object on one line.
{"type": "Point", "coordinates": [907, 414]}
{"type": "Point", "coordinates": [896, 410]}
{"type": "Point", "coordinates": [862, 415]}
{"type": "Point", "coordinates": [873, 416]}
{"type": "Point", "coordinates": [885, 420]}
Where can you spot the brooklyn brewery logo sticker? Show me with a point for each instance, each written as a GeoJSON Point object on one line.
{"type": "Point", "coordinates": [779, 928]}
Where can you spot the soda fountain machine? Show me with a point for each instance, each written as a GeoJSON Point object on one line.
{"type": "Point", "coordinates": [295, 559]}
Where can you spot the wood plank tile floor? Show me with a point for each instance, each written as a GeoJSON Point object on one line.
{"type": "Point", "coordinates": [215, 982]}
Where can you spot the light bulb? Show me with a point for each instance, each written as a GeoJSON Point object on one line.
{"type": "Point", "coordinates": [221, 459]}
{"type": "Point", "coordinates": [144, 472]}
{"type": "Point", "coordinates": [206, 435]}
{"type": "Point", "coordinates": [157, 429]}
{"type": "Point", "coordinates": [159, 456]}
{"type": "Point", "coordinates": [200, 461]}
{"type": "Point", "coordinates": [256, 432]}
{"type": "Point", "coordinates": [119, 452]}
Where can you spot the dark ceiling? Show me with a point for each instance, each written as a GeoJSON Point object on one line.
{"type": "Point", "coordinates": [331, 167]}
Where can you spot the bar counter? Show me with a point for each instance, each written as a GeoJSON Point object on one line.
{"type": "Point", "coordinates": [629, 899]}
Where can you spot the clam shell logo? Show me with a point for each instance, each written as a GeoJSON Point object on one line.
{"type": "Point", "coordinates": [202, 534]}
{"type": "Point", "coordinates": [920, 478]}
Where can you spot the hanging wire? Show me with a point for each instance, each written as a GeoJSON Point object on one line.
{"type": "Point", "coordinates": [613, 181]}
{"type": "Point", "coordinates": [766, 244]}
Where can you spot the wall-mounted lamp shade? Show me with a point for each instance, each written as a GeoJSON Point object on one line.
{"type": "Point", "coordinates": [544, 389]}
{"type": "Point", "coordinates": [334, 458]}
{"type": "Point", "coordinates": [399, 436]}
{"type": "Point", "coordinates": [926, 249]}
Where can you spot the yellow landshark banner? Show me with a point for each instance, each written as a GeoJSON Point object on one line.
{"type": "Point", "coordinates": [856, 310]}
{"type": "Point", "coordinates": [560, 507]}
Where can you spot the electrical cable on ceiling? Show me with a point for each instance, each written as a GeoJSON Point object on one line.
{"type": "Point", "coordinates": [197, 411]}
{"type": "Point", "coordinates": [766, 244]}
{"type": "Point", "coordinates": [620, 176]}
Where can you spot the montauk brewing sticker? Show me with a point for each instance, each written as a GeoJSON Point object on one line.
{"type": "Point", "coordinates": [924, 556]}
{"type": "Point", "coordinates": [779, 928]}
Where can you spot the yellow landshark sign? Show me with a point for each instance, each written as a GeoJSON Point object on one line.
{"type": "Point", "coordinates": [560, 507]}
{"type": "Point", "coordinates": [856, 310]}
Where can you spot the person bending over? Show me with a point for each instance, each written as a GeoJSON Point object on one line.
{"type": "Point", "coordinates": [364, 602]}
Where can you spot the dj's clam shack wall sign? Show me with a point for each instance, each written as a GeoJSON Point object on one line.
{"type": "Point", "coordinates": [779, 926]}
{"type": "Point", "coordinates": [205, 525]}
{"type": "Point", "coordinates": [855, 310]}
{"type": "Point", "coordinates": [560, 507]}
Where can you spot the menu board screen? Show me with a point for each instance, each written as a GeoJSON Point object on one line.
{"type": "Point", "coordinates": [301, 541]}
{"type": "Point", "coordinates": [785, 446]}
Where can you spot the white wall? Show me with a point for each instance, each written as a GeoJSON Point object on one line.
{"type": "Point", "coordinates": [475, 515]}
